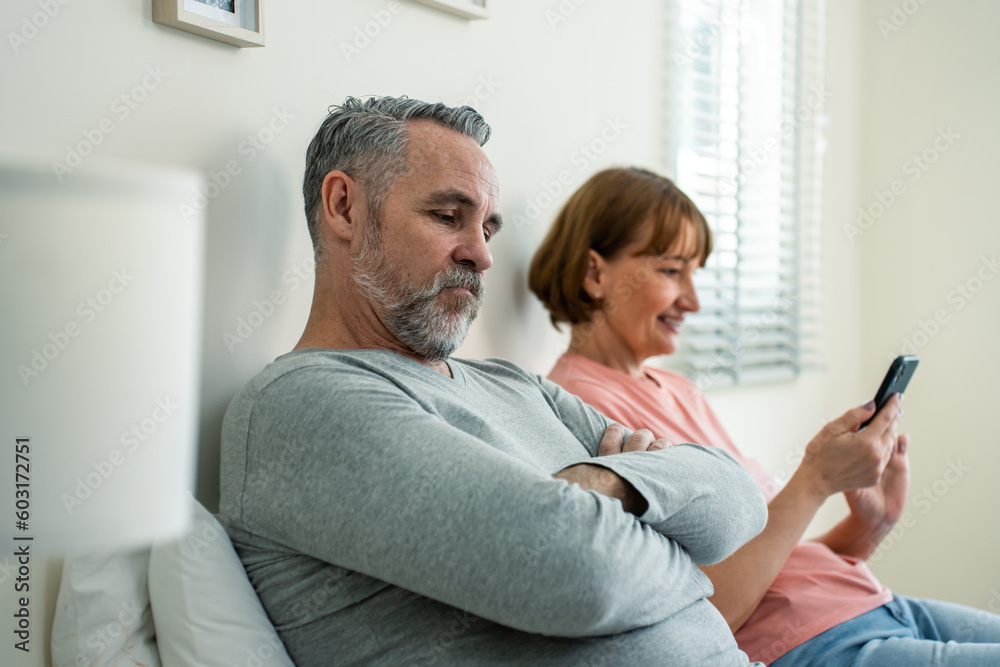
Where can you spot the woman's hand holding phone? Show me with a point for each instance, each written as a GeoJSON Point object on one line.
{"type": "Point", "coordinates": [841, 457]}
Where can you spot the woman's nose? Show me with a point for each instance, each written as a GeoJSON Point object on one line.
{"type": "Point", "coordinates": [689, 298]}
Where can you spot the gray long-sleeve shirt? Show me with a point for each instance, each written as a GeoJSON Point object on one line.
{"type": "Point", "coordinates": [387, 514]}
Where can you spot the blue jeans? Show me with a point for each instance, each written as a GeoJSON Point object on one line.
{"type": "Point", "coordinates": [905, 632]}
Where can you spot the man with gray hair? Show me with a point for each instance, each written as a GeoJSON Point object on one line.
{"type": "Point", "coordinates": [393, 505]}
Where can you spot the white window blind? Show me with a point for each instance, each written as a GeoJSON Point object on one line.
{"type": "Point", "coordinates": [744, 116]}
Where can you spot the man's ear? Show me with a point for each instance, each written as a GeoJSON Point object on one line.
{"type": "Point", "coordinates": [343, 205]}
{"type": "Point", "coordinates": [596, 277]}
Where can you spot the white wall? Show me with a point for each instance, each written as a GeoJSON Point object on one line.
{"type": "Point", "coordinates": [550, 91]}
{"type": "Point", "coordinates": [938, 71]}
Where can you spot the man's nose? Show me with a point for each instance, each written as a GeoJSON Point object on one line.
{"type": "Point", "coordinates": [473, 251]}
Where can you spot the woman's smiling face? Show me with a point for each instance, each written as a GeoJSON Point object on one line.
{"type": "Point", "coordinates": [646, 296]}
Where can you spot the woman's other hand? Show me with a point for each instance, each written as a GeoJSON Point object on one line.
{"type": "Point", "coordinates": [880, 506]}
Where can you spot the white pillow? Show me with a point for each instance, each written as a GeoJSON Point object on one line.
{"type": "Point", "coordinates": [205, 608]}
{"type": "Point", "coordinates": [102, 612]}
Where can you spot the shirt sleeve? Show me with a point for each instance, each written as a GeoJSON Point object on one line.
{"type": "Point", "coordinates": [583, 421]}
{"type": "Point", "coordinates": [346, 467]}
{"type": "Point", "coordinates": [698, 496]}
{"type": "Point", "coordinates": [606, 402]}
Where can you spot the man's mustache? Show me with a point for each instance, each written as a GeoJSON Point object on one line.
{"type": "Point", "coordinates": [460, 276]}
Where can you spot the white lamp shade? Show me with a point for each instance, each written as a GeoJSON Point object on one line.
{"type": "Point", "coordinates": [100, 295]}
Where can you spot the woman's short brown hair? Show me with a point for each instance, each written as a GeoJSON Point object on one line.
{"type": "Point", "coordinates": [606, 214]}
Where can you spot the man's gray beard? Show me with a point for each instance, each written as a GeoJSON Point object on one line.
{"type": "Point", "coordinates": [414, 314]}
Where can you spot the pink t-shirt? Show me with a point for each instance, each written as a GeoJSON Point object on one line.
{"type": "Point", "coordinates": [816, 589]}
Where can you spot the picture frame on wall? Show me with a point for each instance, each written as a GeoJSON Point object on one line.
{"type": "Point", "coordinates": [470, 9]}
{"type": "Point", "coordinates": [236, 22]}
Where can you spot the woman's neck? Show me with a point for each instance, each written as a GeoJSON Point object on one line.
{"type": "Point", "coordinates": [597, 342]}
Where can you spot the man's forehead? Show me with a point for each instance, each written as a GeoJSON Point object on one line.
{"type": "Point", "coordinates": [447, 158]}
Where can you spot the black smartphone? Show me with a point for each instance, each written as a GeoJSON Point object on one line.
{"type": "Point", "coordinates": [895, 381]}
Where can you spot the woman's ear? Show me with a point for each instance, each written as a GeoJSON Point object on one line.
{"type": "Point", "coordinates": [596, 277]}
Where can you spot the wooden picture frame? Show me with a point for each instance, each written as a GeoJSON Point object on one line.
{"type": "Point", "coordinates": [243, 26]}
{"type": "Point", "coordinates": [470, 9]}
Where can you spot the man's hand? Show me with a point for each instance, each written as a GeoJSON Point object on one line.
{"type": "Point", "coordinates": [607, 482]}
{"type": "Point", "coordinates": [640, 441]}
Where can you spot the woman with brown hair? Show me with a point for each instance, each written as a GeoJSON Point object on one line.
{"type": "Point", "coordinates": [617, 266]}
